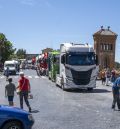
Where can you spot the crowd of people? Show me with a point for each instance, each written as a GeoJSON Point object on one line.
{"type": "Point", "coordinates": [108, 76]}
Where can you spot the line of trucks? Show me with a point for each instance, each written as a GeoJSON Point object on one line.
{"type": "Point", "coordinates": [73, 66]}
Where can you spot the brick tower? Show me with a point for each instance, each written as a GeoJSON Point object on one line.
{"type": "Point", "coordinates": [104, 45]}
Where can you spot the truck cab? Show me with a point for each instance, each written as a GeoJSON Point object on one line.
{"type": "Point", "coordinates": [78, 67]}
{"type": "Point", "coordinates": [12, 67]}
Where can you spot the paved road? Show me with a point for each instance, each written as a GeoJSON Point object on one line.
{"type": "Point", "coordinates": [57, 109]}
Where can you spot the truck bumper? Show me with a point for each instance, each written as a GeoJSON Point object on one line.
{"type": "Point", "coordinates": [71, 85]}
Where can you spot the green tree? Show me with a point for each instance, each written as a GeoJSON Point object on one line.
{"type": "Point", "coordinates": [21, 53]}
{"type": "Point", "coordinates": [6, 48]}
{"type": "Point", "coordinates": [117, 65]}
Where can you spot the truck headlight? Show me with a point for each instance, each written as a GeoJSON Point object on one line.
{"type": "Point", "coordinates": [30, 117]}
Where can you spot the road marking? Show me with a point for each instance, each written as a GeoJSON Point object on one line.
{"type": "Point", "coordinates": [16, 77]}
{"type": "Point", "coordinates": [29, 76]}
{"type": "Point", "coordinates": [37, 77]}
{"type": "Point", "coordinates": [43, 77]}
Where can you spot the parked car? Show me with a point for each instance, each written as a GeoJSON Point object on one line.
{"type": "Point", "coordinates": [15, 118]}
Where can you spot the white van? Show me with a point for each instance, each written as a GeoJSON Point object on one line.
{"type": "Point", "coordinates": [11, 65]}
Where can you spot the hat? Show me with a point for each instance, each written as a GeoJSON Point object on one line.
{"type": "Point", "coordinates": [21, 73]}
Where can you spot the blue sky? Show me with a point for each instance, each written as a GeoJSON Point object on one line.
{"type": "Point", "coordinates": [37, 24]}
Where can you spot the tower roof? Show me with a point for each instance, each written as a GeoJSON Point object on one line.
{"type": "Point", "coordinates": [103, 31]}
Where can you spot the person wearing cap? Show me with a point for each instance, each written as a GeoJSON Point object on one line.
{"type": "Point", "coordinates": [9, 91]}
{"type": "Point", "coordinates": [24, 87]}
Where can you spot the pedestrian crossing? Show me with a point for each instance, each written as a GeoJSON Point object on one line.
{"type": "Point", "coordinates": [27, 76]}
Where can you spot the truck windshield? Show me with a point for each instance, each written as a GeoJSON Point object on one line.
{"type": "Point", "coordinates": [9, 65]}
{"type": "Point", "coordinates": [81, 59]}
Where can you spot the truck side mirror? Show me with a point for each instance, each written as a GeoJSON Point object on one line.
{"type": "Point", "coordinates": [63, 59]}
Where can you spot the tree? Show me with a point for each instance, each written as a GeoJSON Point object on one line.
{"type": "Point", "coordinates": [117, 65]}
{"type": "Point", "coordinates": [6, 48]}
{"type": "Point", "coordinates": [21, 53]}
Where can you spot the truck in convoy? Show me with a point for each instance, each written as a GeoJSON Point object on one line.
{"type": "Point", "coordinates": [53, 64]}
{"type": "Point", "coordinates": [42, 65]}
{"type": "Point", "coordinates": [11, 65]}
{"type": "Point", "coordinates": [78, 67]}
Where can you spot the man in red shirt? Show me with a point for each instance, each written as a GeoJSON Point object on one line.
{"type": "Point", "coordinates": [24, 87]}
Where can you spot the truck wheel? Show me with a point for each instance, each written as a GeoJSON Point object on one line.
{"type": "Point", "coordinates": [12, 125]}
{"type": "Point", "coordinates": [90, 89]}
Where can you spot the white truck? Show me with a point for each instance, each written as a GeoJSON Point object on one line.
{"type": "Point", "coordinates": [78, 67]}
{"type": "Point", "coordinates": [11, 65]}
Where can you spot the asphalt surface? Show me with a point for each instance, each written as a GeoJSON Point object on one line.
{"type": "Point", "coordinates": [53, 108]}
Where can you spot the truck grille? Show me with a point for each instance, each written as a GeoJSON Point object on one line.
{"type": "Point", "coordinates": [82, 77]}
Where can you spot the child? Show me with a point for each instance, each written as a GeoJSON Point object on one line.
{"type": "Point", "coordinates": [9, 91]}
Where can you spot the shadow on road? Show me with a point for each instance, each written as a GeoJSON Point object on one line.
{"type": "Point", "coordinates": [14, 74]}
{"type": "Point", "coordinates": [34, 111]}
{"type": "Point", "coordinates": [87, 91]}
{"type": "Point", "coordinates": [116, 109]}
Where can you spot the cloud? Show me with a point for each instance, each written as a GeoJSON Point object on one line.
{"type": "Point", "coordinates": [41, 3]}
{"type": "Point", "coordinates": [27, 2]}
{"type": "Point", "coordinates": [44, 3]}
{"type": "Point", "coordinates": [48, 4]}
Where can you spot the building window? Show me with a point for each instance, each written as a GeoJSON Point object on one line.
{"type": "Point", "coordinates": [111, 47]}
{"type": "Point", "coordinates": [101, 46]}
{"type": "Point", "coordinates": [106, 47]}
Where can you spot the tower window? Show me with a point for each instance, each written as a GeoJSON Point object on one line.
{"type": "Point", "coordinates": [104, 46]}
{"type": "Point", "coordinates": [111, 46]}
{"type": "Point", "coordinates": [107, 48]}
{"type": "Point", "coordinates": [101, 46]}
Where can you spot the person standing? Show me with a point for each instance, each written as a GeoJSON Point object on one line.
{"type": "Point", "coordinates": [24, 87]}
{"type": "Point", "coordinates": [107, 75]}
{"type": "Point", "coordinates": [115, 91]}
{"type": "Point", "coordinates": [7, 73]}
{"type": "Point", "coordinates": [103, 77]}
{"type": "Point", "coordinates": [9, 91]}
